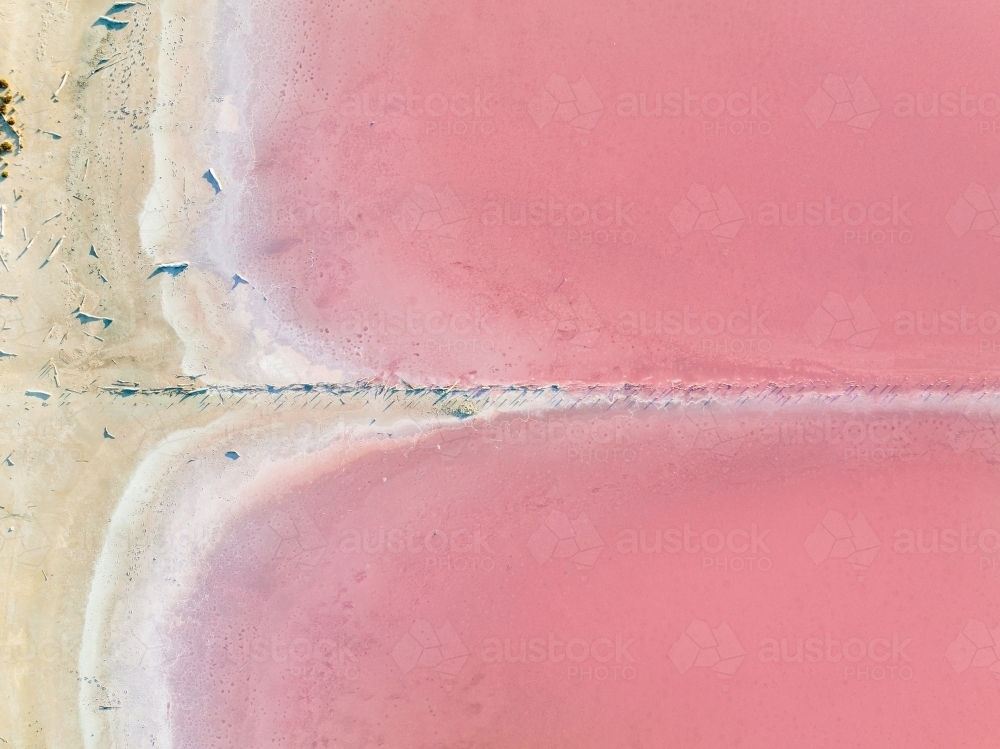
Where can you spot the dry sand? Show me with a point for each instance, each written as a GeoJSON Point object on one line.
{"type": "Point", "coordinates": [69, 446]}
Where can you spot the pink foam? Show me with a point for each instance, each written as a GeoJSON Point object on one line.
{"type": "Point", "coordinates": [682, 255]}
{"type": "Point", "coordinates": [660, 571]}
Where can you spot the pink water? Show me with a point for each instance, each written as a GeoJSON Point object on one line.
{"type": "Point", "coordinates": [525, 192]}
{"type": "Point", "coordinates": [607, 580]}
{"type": "Point", "coordinates": [442, 192]}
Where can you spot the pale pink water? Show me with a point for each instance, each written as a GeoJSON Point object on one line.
{"type": "Point", "coordinates": [512, 192]}
{"type": "Point", "coordinates": [548, 583]}
{"type": "Point", "coordinates": [441, 218]}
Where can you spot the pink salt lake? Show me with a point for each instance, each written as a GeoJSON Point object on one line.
{"type": "Point", "coordinates": [515, 192]}
{"type": "Point", "coordinates": [703, 577]}
{"type": "Point", "coordinates": [557, 193]}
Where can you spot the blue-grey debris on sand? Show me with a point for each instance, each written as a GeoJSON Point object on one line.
{"type": "Point", "coordinates": [110, 23]}
{"type": "Point", "coordinates": [108, 435]}
{"type": "Point", "coordinates": [238, 279]}
{"type": "Point", "coordinates": [174, 269]}
{"type": "Point", "coordinates": [233, 455]}
{"type": "Point", "coordinates": [213, 181]}
{"type": "Point", "coordinates": [84, 318]}
{"type": "Point", "coordinates": [53, 252]}
{"type": "Point", "coordinates": [40, 394]}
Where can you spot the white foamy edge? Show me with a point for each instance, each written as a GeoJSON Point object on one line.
{"type": "Point", "coordinates": [217, 325]}
{"type": "Point", "coordinates": [132, 602]}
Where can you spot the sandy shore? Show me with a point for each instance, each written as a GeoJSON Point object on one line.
{"type": "Point", "coordinates": [169, 517]}
{"type": "Point", "coordinates": [82, 160]}
{"type": "Point", "coordinates": [78, 315]}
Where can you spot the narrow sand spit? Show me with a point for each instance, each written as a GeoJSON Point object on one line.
{"type": "Point", "coordinates": [79, 320]}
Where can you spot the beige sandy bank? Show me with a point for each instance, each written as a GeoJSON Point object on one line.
{"type": "Point", "coordinates": [77, 314]}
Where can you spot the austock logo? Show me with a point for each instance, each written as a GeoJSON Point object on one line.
{"type": "Point", "coordinates": [976, 210]}
{"type": "Point", "coordinates": [688, 103]}
{"type": "Point", "coordinates": [428, 211]}
{"type": "Point", "coordinates": [426, 646]}
{"type": "Point", "coordinates": [947, 104]}
{"type": "Point", "coordinates": [836, 319]}
{"type": "Point", "coordinates": [839, 538]}
{"type": "Point", "coordinates": [285, 537]}
{"type": "Point", "coordinates": [978, 430]}
{"type": "Point", "coordinates": [709, 544]}
{"type": "Point", "coordinates": [601, 220]}
{"type": "Point", "coordinates": [558, 431]}
{"type": "Point", "coordinates": [599, 659]}
{"type": "Point", "coordinates": [326, 657]}
{"type": "Point", "coordinates": [20, 648]}
{"type": "Point", "coordinates": [460, 550]}
{"type": "Point", "coordinates": [416, 322]}
{"type": "Point", "coordinates": [23, 540]}
{"type": "Point", "coordinates": [948, 322]}
{"type": "Point", "coordinates": [877, 659]}
{"type": "Point", "coordinates": [947, 541]}
{"type": "Point", "coordinates": [567, 316]}
{"type": "Point", "coordinates": [875, 222]}
{"type": "Point", "coordinates": [703, 647]}
{"type": "Point", "coordinates": [704, 210]}
{"type": "Point", "coordinates": [561, 101]}
{"type": "Point", "coordinates": [708, 426]}
{"type": "Point", "coordinates": [693, 322]}
{"type": "Point", "coordinates": [558, 537]}
{"type": "Point", "coordinates": [838, 101]}
{"type": "Point", "coordinates": [976, 647]}
{"type": "Point", "coordinates": [370, 104]}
